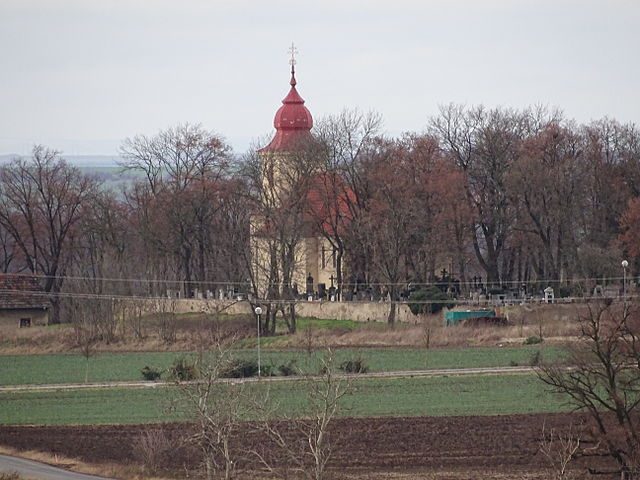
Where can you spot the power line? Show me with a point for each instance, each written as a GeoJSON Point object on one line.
{"type": "Point", "coordinates": [180, 282]}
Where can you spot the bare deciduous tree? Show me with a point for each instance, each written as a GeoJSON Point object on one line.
{"type": "Point", "coordinates": [560, 449]}
{"type": "Point", "coordinates": [217, 408]}
{"type": "Point", "coordinates": [307, 448]}
{"type": "Point", "coordinates": [186, 179]}
{"type": "Point", "coordinates": [279, 187]}
{"type": "Point", "coordinates": [41, 202]}
{"type": "Point", "coordinates": [153, 448]}
{"type": "Point", "coordinates": [344, 140]}
{"type": "Point", "coordinates": [602, 378]}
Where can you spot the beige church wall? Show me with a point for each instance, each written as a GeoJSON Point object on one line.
{"type": "Point", "coordinates": [299, 272]}
{"type": "Point", "coordinates": [304, 259]}
{"type": "Point", "coordinates": [311, 261]}
{"type": "Point", "coordinates": [324, 274]}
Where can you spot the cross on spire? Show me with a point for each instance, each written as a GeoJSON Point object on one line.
{"type": "Point", "coordinates": [293, 51]}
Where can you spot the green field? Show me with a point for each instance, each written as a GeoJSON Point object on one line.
{"type": "Point", "coordinates": [435, 396]}
{"type": "Point", "coordinates": [70, 368]}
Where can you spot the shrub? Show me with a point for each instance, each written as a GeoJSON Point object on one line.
{"type": "Point", "coordinates": [241, 368]}
{"type": "Point", "coordinates": [421, 299]}
{"type": "Point", "coordinates": [151, 373]}
{"type": "Point", "coordinates": [288, 369]}
{"type": "Point", "coordinates": [10, 476]}
{"type": "Point", "coordinates": [513, 363]}
{"type": "Point", "coordinates": [183, 370]}
{"type": "Point", "coordinates": [153, 448]}
{"type": "Point", "coordinates": [533, 340]}
{"type": "Point", "coordinates": [354, 365]}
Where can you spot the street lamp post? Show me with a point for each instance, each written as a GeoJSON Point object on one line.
{"type": "Point", "coordinates": [258, 311]}
{"type": "Point", "coordinates": [625, 264]}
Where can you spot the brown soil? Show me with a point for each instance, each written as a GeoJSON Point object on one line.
{"type": "Point", "coordinates": [463, 447]}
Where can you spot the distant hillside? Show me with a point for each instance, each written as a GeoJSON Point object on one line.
{"type": "Point", "coordinates": [78, 160]}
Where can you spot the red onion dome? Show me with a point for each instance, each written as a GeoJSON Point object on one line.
{"type": "Point", "coordinates": [293, 122]}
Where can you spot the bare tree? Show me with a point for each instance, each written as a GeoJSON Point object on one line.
{"type": "Point", "coordinates": [8, 250]}
{"type": "Point", "coordinates": [185, 169]}
{"type": "Point", "coordinates": [602, 377]}
{"type": "Point", "coordinates": [279, 187]}
{"type": "Point", "coordinates": [560, 449]}
{"type": "Point", "coordinates": [548, 181]}
{"type": "Point", "coordinates": [484, 144]}
{"type": "Point", "coordinates": [85, 330]}
{"type": "Point", "coordinates": [344, 141]}
{"type": "Point", "coordinates": [153, 447]}
{"type": "Point", "coordinates": [311, 455]}
{"type": "Point", "coordinates": [41, 202]}
{"type": "Point", "coordinates": [218, 409]}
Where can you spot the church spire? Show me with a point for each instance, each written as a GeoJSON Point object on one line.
{"type": "Point", "coordinates": [293, 121]}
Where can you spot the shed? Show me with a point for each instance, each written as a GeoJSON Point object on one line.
{"type": "Point", "coordinates": [453, 317]}
{"type": "Point", "coordinates": [23, 301]}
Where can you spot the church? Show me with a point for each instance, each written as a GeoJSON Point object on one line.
{"type": "Point", "coordinates": [311, 271]}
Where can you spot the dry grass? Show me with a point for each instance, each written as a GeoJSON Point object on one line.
{"type": "Point", "coordinates": [132, 472]}
{"type": "Point", "coordinates": [556, 323]}
{"type": "Point", "coordinates": [191, 331]}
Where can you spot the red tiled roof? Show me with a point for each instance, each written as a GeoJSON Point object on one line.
{"type": "Point", "coordinates": [328, 202]}
{"type": "Point", "coordinates": [21, 291]}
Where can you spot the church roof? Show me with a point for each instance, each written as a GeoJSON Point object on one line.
{"type": "Point", "coordinates": [328, 200]}
{"type": "Point", "coordinates": [293, 122]}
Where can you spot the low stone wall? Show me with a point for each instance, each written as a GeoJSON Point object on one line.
{"type": "Point", "coordinates": [367, 311]}
{"type": "Point", "coordinates": [531, 313]}
{"type": "Point", "coordinates": [209, 306]}
{"type": "Point", "coordinates": [356, 311]}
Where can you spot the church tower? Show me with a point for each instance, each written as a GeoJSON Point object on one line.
{"type": "Point", "coordinates": [289, 170]}
{"type": "Point", "coordinates": [293, 123]}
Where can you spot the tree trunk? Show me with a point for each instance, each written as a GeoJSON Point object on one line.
{"type": "Point", "coordinates": [210, 470]}
{"type": "Point", "coordinates": [54, 317]}
{"type": "Point", "coordinates": [391, 318]}
{"type": "Point", "coordinates": [339, 274]}
{"type": "Point", "coordinates": [291, 321]}
{"type": "Point", "coordinates": [272, 322]}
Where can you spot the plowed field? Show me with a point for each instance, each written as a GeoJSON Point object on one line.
{"type": "Point", "coordinates": [495, 445]}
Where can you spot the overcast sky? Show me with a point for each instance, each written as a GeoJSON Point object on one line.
{"type": "Point", "coordinates": [80, 76]}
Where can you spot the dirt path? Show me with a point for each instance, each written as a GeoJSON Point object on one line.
{"type": "Point", "coordinates": [398, 374]}
{"type": "Point", "coordinates": [40, 471]}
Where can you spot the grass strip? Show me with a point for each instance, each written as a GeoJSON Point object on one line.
{"type": "Point", "coordinates": [425, 396]}
{"type": "Point", "coordinates": [106, 367]}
